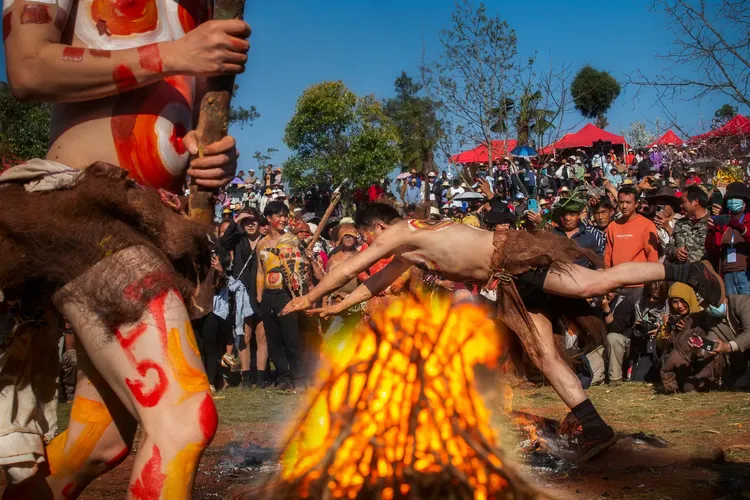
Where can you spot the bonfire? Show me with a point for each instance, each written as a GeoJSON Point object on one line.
{"type": "Point", "coordinates": [396, 413]}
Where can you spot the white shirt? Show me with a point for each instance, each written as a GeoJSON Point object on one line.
{"type": "Point", "coordinates": [455, 192]}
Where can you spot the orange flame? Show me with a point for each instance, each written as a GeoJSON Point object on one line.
{"type": "Point", "coordinates": [398, 402]}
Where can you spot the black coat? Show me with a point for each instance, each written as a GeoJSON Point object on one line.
{"type": "Point", "coordinates": [235, 239]}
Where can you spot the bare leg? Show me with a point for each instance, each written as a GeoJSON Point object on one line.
{"type": "Point", "coordinates": [260, 340]}
{"type": "Point", "coordinates": [99, 436]}
{"type": "Point", "coordinates": [554, 368]}
{"type": "Point", "coordinates": [584, 283]}
{"type": "Point", "coordinates": [244, 354]}
{"type": "Point", "coordinates": [154, 368]}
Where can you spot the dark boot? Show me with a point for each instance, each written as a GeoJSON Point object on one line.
{"type": "Point", "coordinates": [247, 380]}
{"type": "Point", "coordinates": [261, 380]}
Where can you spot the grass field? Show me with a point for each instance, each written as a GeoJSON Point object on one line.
{"type": "Point", "coordinates": [708, 436]}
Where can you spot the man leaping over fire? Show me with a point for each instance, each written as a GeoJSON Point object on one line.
{"type": "Point", "coordinates": [521, 267]}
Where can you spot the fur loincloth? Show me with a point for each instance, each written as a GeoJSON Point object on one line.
{"type": "Point", "coordinates": [49, 238]}
{"type": "Point", "coordinates": [517, 252]}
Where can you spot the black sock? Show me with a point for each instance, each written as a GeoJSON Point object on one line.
{"type": "Point", "coordinates": [591, 422]}
{"type": "Point", "coordinates": [676, 272]}
{"type": "Point", "coordinates": [246, 379]}
{"type": "Point", "coordinates": [260, 378]}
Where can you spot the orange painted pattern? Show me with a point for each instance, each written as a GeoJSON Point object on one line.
{"type": "Point", "coordinates": [180, 471]}
{"type": "Point", "coordinates": [126, 17]}
{"type": "Point", "coordinates": [191, 379]}
{"type": "Point", "coordinates": [135, 135]}
{"type": "Point", "coordinates": [94, 419]}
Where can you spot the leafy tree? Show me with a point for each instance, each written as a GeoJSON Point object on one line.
{"type": "Point", "coordinates": [476, 78]}
{"type": "Point", "coordinates": [639, 136]}
{"type": "Point", "coordinates": [415, 118]}
{"type": "Point", "coordinates": [264, 158]}
{"type": "Point", "coordinates": [723, 115]}
{"type": "Point", "coordinates": [336, 135]}
{"type": "Point", "coordinates": [593, 93]}
{"type": "Point", "coordinates": [241, 116]}
{"type": "Point", "coordinates": [24, 128]}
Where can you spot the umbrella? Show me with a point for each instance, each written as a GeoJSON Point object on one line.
{"type": "Point", "coordinates": [524, 152]}
{"type": "Point", "coordinates": [405, 175]}
{"type": "Point", "coordinates": [468, 196]}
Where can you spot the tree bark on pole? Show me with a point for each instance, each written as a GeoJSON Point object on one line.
{"type": "Point", "coordinates": [213, 118]}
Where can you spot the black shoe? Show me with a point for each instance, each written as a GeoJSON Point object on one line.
{"type": "Point", "coordinates": [285, 385]}
{"type": "Point", "coordinates": [593, 446]}
{"type": "Point", "coordinates": [261, 380]}
{"type": "Point", "coordinates": [707, 282]}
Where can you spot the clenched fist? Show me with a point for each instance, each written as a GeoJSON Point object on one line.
{"type": "Point", "coordinates": [213, 48]}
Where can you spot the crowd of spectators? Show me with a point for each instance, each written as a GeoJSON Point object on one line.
{"type": "Point", "coordinates": [648, 207]}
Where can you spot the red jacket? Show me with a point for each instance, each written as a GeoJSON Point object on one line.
{"type": "Point", "coordinates": [713, 238]}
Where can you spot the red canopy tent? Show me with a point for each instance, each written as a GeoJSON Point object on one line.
{"type": "Point", "coordinates": [586, 137]}
{"type": "Point", "coordinates": [668, 139]}
{"type": "Point", "coordinates": [739, 125]}
{"type": "Point", "coordinates": [480, 154]}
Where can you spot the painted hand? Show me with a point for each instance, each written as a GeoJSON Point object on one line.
{"type": "Point", "coordinates": [213, 48]}
{"type": "Point", "coordinates": [219, 162]}
{"type": "Point", "coordinates": [296, 304]}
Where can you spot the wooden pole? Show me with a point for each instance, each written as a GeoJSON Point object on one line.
{"type": "Point", "coordinates": [213, 119]}
{"type": "Point", "coordinates": [327, 215]}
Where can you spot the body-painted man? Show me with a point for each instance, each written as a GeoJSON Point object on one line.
{"type": "Point", "coordinates": [524, 269]}
{"type": "Point", "coordinates": [124, 79]}
{"type": "Point", "coordinates": [283, 272]}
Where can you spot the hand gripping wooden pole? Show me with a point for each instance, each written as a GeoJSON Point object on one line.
{"type": "Point", "coordinates": [213, 118]}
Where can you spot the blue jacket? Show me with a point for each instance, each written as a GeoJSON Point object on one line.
{"type": "Point", "coordinates": [584, 238]}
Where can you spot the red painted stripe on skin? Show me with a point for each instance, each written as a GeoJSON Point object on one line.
{"type": "Point", "coordinates": [34, 13]}
{"type": "Point", "coordinates": [208, 418]}
{"type": "Point", "coordinates": [152, 398]}
{"type": "Point", "coordinates": [73, 54]}
{"type": "Point", "coordinates": [68, 490]}
{"type": "Point", "coordinates": [150, 57]}
{"type": "Point", "coordinates": [101, 54]}
{"type": "Point", "coordinates": [124, 78]}
{"type": "Point", "coordinates": [7, 23]}
{"type": "Point", "coordinates": [149, 485]}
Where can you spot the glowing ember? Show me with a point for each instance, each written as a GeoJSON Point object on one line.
{"type": "Point", "coordinates": [397, 414]}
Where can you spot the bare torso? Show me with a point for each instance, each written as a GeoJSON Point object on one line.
{"type": "Point", "coordinates": [336, 260]}
{"type": "Point", "coordinates": [271, 263]}
{"type": "Point", "coordinates": [140, 130]}
{"type": "Point", "coordinates": [455, 251]}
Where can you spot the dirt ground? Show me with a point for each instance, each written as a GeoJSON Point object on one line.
{"type": "Point", "coordinates": [707, 453]}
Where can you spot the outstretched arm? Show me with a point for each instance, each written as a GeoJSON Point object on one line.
{"type": "Point", "coordinates": [373, 286]}
{"type": "Point", "coordinates": [41, 68]}
{"type": "Point", "coordinates": [384, 247]}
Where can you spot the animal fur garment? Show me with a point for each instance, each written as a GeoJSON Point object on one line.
{"type": "Point", "coordinates": [50, 238]}
{"type": "Point", "coordinates": [517, 252]}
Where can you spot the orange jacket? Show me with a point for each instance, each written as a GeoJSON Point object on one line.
{"type": "Point", "coordinates": [632, 241]}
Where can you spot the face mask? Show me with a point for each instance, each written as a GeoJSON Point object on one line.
{"type": "Point", "coordinates": [717, 312]}
{"type": "Point", "coordinates": [735, 205]}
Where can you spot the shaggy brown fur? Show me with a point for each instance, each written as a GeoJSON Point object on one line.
{"type": "Point", "coordinates": [517, 252]}
{"type": "Point", "coordinates": [48, 239]}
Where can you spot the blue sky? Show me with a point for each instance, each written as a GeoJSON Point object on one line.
{"type": "Point", "coordinates": [366, 44]}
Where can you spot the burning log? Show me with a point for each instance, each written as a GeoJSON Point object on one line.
{"type": "Point", "coordinates": [397, 415]}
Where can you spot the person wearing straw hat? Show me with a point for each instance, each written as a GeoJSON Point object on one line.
{"type": "Point", "coordinates": [692, 177]}
{"type": "Point", "coordinates": [728, 240]}
{"type": "Point", "coordinates": [666, 204]}
{"type": "Point", "coordinates": [519, 268]}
